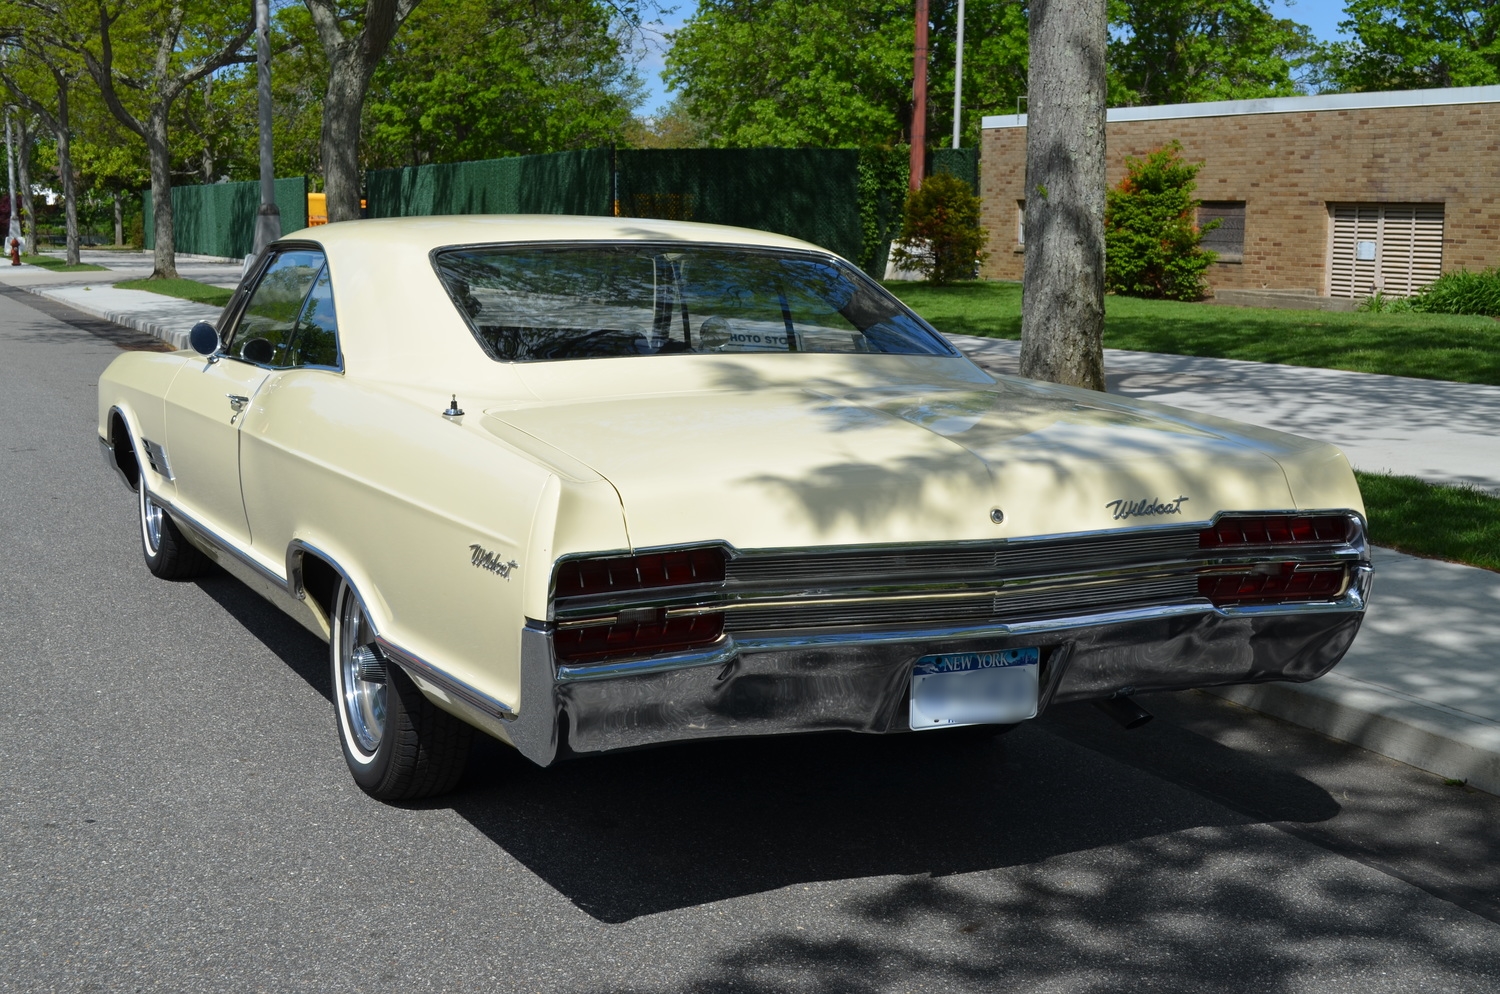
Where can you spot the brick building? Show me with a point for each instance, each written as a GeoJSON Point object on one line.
{"type": "Point", "coordinates": [1334, 195]}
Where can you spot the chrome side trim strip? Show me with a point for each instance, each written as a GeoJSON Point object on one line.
{"type": "Point", "coordinates": [445, 681]}
{"type": "Point", "coordinates": [223, 544]}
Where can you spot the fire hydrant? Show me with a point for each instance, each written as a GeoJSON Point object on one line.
{"type": "Point", "coordinates": [15, 251]}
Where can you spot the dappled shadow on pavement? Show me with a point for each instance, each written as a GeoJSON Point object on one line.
{"type": "Point", "coordinates": [642, 833]}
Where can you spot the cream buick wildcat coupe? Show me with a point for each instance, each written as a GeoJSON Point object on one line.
{"type": "Point", "coordinates": [588, 484]}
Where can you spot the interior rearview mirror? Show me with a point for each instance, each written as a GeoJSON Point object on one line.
{"type": "Point", "coordinates": [204, 338]}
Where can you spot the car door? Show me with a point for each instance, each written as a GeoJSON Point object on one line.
{"type": "Point", "coordinates": [208, 399]}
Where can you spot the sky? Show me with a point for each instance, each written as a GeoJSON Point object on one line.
{"type": "Point", "coordinates": [1322, 16]}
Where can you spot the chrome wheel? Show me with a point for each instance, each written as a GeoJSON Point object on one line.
{"type": "Point", "coordinates": [151, 517]}
{"type": "Point", "coordinates": [361, 678]}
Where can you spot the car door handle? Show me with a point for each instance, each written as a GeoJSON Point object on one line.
{"type": "Point", "coordinates": [237, 401]}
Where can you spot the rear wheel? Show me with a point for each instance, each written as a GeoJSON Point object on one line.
{"type": "Point", "coordinates": [398, 744]}
{"type": "Point", "coordinates": [168, 555]}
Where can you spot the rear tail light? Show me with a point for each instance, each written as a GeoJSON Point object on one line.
{"type": "Point", "coordinates": [1276, 529]}
{"type": "Point", "coordinates": [1270, 582]}
{"type": "Point", "coordinates": [636, 638]}
{"type": "Point", "coordinates": [637, 631]}
{"type": "Point", "coordinates": [584, 577]}
{"type": "Point", "coordinates": [1274, 582]}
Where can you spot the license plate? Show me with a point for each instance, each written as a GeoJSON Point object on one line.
{"type": "Point", "coordinates": [974, 688]}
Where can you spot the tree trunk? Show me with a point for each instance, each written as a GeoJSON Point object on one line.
{"type": "Point", "coordinates": [343, 105]}
{"type": "Point", "coordinates": [164, 261]}
{"type": "Point", "coordinates": [65, 170]}
{"type": "Point", "coordinates": [119, 220]}
{"type": "Point", "coordinates": [1062, 304]}
{"type": "Point", "coordinates": [23, 175]}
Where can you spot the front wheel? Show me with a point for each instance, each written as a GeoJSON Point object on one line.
{"type": "Point", "coordinates": [168, 555]}
{"type": "Point", "coordinates": [398, 744]}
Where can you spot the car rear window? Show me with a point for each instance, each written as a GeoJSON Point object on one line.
{"type": "Point", "coordinates": [529, 303]}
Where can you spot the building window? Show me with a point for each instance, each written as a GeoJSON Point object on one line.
{"type": "Point", "coordinates": [1395, 249]}
{"type": "Point", "coordinates": [1228, 239]}
{"type": "Point", "coordinates": [1020, 224]}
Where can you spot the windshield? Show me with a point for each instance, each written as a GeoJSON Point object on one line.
{"type": "Point", "coordinates": [529, 303]}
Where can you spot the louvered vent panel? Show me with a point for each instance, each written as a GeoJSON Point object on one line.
{"type": "Point", "coordinates": [1407, 240]}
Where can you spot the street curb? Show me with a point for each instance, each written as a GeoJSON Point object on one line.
{"type": "Point", "coordinates": [176, 339]}
{"type": "Point", "coordinates": [1453, 744]}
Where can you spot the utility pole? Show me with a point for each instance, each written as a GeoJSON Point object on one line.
{"type": "Point", "coordinates": [268, 220]}
{"type": "Point", "coordinates": [10, 162]}
{"type": "Point", "coordinates": [919, 99]}
{"type": "Point", "coordinates": [958, 77]}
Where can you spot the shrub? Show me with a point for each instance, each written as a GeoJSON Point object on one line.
{"type": "Point", "coordinates": [135, 231]}
{"type": "Point", "coordinates": [1151, 235]}
{"type": "Point", "coordinates": [941, 237]}
{"type": "Point", "coordinates": [1461, 292]}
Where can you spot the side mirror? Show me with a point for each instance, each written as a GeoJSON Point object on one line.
{"type": "Point", "coordinates": [204, 338]}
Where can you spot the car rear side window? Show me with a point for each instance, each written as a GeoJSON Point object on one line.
{"type": "Point", "coordinates": [529, 302]}
{"type": "Point", "coordinates": [289, 318]}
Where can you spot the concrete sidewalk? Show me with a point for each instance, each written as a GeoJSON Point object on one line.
{"type": "Point", "coordinates": [1422, 682]}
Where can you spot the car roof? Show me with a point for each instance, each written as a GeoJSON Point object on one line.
{"type": "Point", "coordinates": [430, 232]}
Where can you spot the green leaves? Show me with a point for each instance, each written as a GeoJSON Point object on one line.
{"type": "Point", "coordinates": [941, 237]}
{"type": "Point", "coordinates": [1151, 236]}
{"type": "Point", "coordinates": [1179, 51]}
{"type": "Point", "coordinates": [1414, 44]}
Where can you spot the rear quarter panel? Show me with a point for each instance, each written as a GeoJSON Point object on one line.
{"type": "Point", "coordinates": [399, 497]}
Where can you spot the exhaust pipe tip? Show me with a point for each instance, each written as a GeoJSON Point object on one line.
{"type": "Point", "coordinates": [1125, 711]}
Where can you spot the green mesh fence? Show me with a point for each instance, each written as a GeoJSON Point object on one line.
{"type": "Point", "coordinates": [848, 200]}
{"type": "Point", "coordinates": [219, 218]}
{"type": "Point", "coordinates": [808, 193]}
{"type": "Point", "coordinates": [560, 183]}
{"type": "Point", "coordinates": [960, 162]}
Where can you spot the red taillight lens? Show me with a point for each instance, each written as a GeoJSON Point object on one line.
{"type": "Point", "coordinates": [582, 577]}
{"type": "Point", "coordinates": [1275, 529]}
{"type": "Point", "coordinates": [637, 631]}
{"type": "Point", "coordinates": [1279, 582]}
{"type": "Point", "coordinates": [625, 638]}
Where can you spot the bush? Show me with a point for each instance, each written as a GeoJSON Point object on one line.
{"type": "Point", "coordinates": [135, 231]}
{"type": "Point", "coordinates": [941, 237]}
{"type": "Point", "coordinates": [1151, 234]}
{"type": "Point", "coordinates": [1461, 292]}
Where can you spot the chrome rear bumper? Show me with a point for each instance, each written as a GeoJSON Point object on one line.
{"type": "Point", "coordinates": [860, 682]}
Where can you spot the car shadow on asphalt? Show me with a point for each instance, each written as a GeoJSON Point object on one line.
{"type": "Point", "coordinates": [640, 833]}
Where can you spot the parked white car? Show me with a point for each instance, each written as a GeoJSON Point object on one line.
{"type": "Point", "coordinates": [594, 483]}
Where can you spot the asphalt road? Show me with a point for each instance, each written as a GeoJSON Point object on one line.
{"type": "Point", "coordinates": [175, 815]}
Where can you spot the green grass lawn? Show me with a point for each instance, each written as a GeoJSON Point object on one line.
{"type": "Point", "coordinates": [1431, 346]}
{"type": "Point", "coordinates": [1460, 524]}
{"type": "Point", "coordinates": [57, 265]}
{"type": "Point", "coordinates": [185, 289]}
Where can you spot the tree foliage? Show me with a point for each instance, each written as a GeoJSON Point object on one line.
{"type": "Point", "coordinates": [1415, 44]}
{"type": "Point", "coordinates": [1151, 235]}
{"type": "Point", "coordinates": [839, 73]}
{"type": "Point", "coordinates": [479, 79]}
{"type": "Point", "coordinates": [789, 73]}
{"type": "Point", "coordinates": [941, 237]}
{"type": "Point", "coordinates": [1179, 51]}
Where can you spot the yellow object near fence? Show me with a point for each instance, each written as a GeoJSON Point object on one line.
{"type": "Point", "coordinates": [317, 209]}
